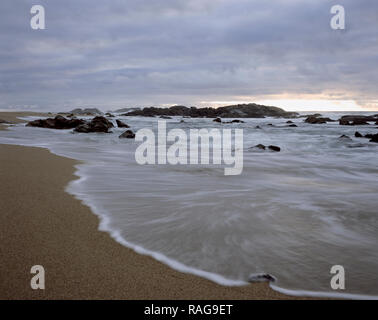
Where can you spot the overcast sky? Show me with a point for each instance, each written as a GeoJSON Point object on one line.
{"type": "Point", "coordinates": [118, 53]}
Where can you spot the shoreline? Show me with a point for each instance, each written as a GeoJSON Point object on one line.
{"type": "Point", "coordinates": [41, 223]}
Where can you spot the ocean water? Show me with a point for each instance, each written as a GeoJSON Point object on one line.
{"type": "Point", "coordinates": [292, 214]}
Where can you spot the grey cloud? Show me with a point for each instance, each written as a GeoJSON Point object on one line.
{"type": "Point", "coordinates": [143, 52]}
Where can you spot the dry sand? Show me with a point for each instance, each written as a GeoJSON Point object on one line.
{"type": "Point", "coordinates": [40, 224]}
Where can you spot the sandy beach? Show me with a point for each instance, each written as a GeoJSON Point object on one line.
{"type": "Point", "coordinates": [42, 224]}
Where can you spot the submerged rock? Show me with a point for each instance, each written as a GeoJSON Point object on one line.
{"type": "Point", "coordinates": [59, 122]}
{"type": "Point", "coordinates": [129, 134]}
{"type": "Point", "coordinates": [165, 117]}
{"type": "Point", "coordinates": [121, 124]}
{"type": "Point", "coordinates": [344, 137]}
{"type": "Point", "coordinates": [261, 277]}
{"type": "Point", "coordinates": [262, 147]}
{"type": "Point", "coordinates": [219, 120]}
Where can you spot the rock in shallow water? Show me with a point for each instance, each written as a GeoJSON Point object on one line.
{"type": "Point", "coordinates": [356, 120]}
{"type": "Point", "coordinates": [98, 124]}
{"type": "Point", "coordinates": [358, 135]}
{"type": "Point", "coordinates": [59, 122]}
{"type": "Point", "coordinates": [129, 134]}
{"type": "Point", "coordinates": [374, 138]}
{"type": "Point", "coordinates": [121, 124]}
{"type": "Point", "coordinates": [317, 120]}
{"type": "Point", "coordinates": [260, 146]}
{"type": "Point", "coordinates": [344, 137]}
{"type": "Point", "coordinates": [274, 148]}
{"type": "Point", "coordinates": [261, 277]}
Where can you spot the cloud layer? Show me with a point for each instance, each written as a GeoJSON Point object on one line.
{"type": "Point", "coordinates": [118, 53]}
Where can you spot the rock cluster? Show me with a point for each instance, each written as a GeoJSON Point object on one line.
{"type": "Point", "coordinates": [251, 110]}
{"type": "Point", "coordinates": [59, 122]}
{"type": "Point", "coordinates": [317, 119]}
{"type": "Point", "coordinates": [86, 112]}
{"type": "Point", "coordinates": [357, 120]}
{"type": "Point", "coordinates": [97, 124]}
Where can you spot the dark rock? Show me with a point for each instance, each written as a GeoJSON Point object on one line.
{"type": "Point", "coordinates": [258, 127]}
{"type": "Point", "coordinates": [359, 123]}
{"type": "Point", "coordinates": [261, 277]}
{"type": "Point", "coordinates": [83, 128]}
{"type": "Point", "coordinates": [109, 115]}
{"type": "Point", "coordinates": [234, 121]}
{"type": "Point", "coordinates": [358, 135]}
{"type": "Point", "coordinates": [97, 124]}
{"type": "Point", "coordinates": [165, 117]}
{"type": "Point", "coordinates": [289, 122]}
{"type": "Point", "coordinates": [121, 124]}
{"type": "Point", "coordinates": [87, 112]}
{"type": "Point", "coordinates": [251, 110]}
{"type": "Point", "coordinates": [260, 146]}
{"type": "Point", "coordinates": [343, 122]}
{"type": "Point", "coordinates": [4, 121]}
{"type": "Point", "coordinates": [275, 148]}
{"type": "Point", "coordinates": [125, 110]}
{"type": "Point", "coordinates": [317, 120]}
{"type": "Point", "coordinates": [59, 122]}
{"type": "Point", "coordinates": [374, 138]}
{"type": "Point", "coordinates": [292, 126]}
{"type": "Point", "coordinates": [219, 120]}
{"type": "Point", "coordinates": [356, 120]}
{"type": "Point", "coordinates": [127, 135]}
